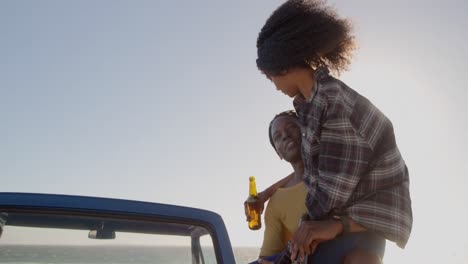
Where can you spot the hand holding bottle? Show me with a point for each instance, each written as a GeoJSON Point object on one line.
{"type": "Point", "coordinates": [262, 197]}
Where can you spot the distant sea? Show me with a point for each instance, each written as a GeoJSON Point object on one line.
{"type": "Point", "coordinates": [14, 254]}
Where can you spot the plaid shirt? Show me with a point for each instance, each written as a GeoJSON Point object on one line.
{"type": "Point", "coordinates": [352, 163]}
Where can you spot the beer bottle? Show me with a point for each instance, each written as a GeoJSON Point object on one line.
{"type": "Point", "coordinates": [253, 210]}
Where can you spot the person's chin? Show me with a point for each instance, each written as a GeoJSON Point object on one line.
{"type": "Point", "coordinates": [293, 95]}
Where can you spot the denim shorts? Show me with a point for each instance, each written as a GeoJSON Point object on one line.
{"type": "Point", "coordinates": [334, 251]}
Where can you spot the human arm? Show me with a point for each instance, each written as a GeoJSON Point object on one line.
{"type": "Point", "coordinates": [266, 194]}
{"type": "Point", "coordinates": [360, 173]}
{"type": "Point", "coordinates": [341, 158]}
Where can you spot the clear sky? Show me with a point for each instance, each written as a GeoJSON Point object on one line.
{"type": "Point", "coordinates": [161, 101]}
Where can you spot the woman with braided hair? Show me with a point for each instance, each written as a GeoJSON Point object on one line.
{"type": "Point", "coordinates": [357, 182]}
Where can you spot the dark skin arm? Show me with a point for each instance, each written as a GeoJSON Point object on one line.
{"type": "Point", "coordinates": [267, 193]}
{"type": "Point", "coordinates": [311, 233]}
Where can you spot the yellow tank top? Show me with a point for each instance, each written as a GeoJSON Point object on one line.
{"type": "Point", "coordinates": [282, 216]}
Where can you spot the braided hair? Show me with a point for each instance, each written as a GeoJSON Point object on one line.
{"type": "Point", "coordinates": [304, 33]}
{"type": "Point", "coordinates": [289, 113]}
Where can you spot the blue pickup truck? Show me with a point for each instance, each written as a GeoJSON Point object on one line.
{"type": "Point", "coordinates": [48, 228]}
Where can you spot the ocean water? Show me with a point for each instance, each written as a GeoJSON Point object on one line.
{"type": "Point", "coordinates": [111, 254]}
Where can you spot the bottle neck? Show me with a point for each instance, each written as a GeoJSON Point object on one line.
{"type": "Point", "coordinates": [252, 189]}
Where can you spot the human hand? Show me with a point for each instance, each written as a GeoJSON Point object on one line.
{"type": "Point", "coordinates": [262, 197]}
{"type": "Point", "coordinates": [310, 234]}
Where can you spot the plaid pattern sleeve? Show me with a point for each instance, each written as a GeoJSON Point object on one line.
{"type": "Point", "coordinates": [352, 163]}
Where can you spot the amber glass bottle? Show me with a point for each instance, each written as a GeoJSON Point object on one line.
{"type": "Point", "coordinates": [255, 222]}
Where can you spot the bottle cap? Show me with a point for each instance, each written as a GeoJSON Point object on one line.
{"type": "Point", "coordinates": [251, 178]}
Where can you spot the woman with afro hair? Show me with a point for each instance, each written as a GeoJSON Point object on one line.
{"type": "Point", "coordinates": [357, 181]}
